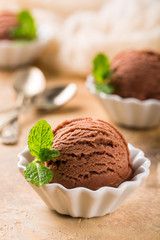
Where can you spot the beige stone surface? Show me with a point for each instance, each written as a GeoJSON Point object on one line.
{"type": "Point", "coordinates": [23, 215]}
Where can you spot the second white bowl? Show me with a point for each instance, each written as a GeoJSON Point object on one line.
{"type": "Point", "coordinates": [129, 112]}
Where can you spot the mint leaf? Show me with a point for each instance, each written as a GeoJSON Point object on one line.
{"type": "Point", "coordinates": [101, 68]}
{"type": "Point", "coordinates": [38, 174]}
{"type": "Point", "coordinates": [47, 154]}
{"type": "Point", "coordinates": [40, 141]}
{"type": "Point", "coordinates": [26, 28]}
{"type": "Point", "coordinates": [40, 136]}
{"type": "Point", "coordinates": [106, 88]}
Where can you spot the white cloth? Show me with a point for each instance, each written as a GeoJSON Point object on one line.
{"type": "Point", "coordinates": [118, 25]}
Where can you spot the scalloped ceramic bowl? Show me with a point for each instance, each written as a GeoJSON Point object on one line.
{"type": "Point", "coordinates": [83, 202]}
{"type": "Point", "coordinates": [129, 112]}
{"type": "Point", "coordinates": [15, 53]}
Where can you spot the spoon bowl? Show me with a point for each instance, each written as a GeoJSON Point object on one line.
{"type": "Point", "coordinates": [29, 82]}
{"type": "Point", "coordinates": [54, 97]}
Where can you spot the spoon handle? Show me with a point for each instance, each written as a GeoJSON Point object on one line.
{"type": "Point", "coordinates": [8, 110]}
{"type": "Point", "coordinates": [21, 100]}
{"type": "Point", "coordinates": [9, 134]}
{"type": "Point", "coordinates": [12, 116]}
{"type": "Point", "coordinates": [8, 118]}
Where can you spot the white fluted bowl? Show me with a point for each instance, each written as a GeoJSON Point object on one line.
{"type": "Point", "coordinates": [15, 53]}
{"type": "Point", "coordinates": [83, 202]}
{"type": "Point", "coordinates": [129, 112]}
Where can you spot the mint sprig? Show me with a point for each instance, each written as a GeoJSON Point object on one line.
{"type": "Point", "coordinates": [26, 28]}
{"type": "Point", "coordinates": [40, 136]}
{"type": "Point", "coordinates": [37, 174]}
{"type": "Point", "coordinates": [40, 141]}
{"type": "Point", "coordinates": [102, 74]}
{"type": "Point", "coordinates": [106, 88]}
{"type": "Point", "coordinates": [46, 154]}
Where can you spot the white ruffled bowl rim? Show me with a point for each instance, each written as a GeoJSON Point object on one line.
{"type": "Point", "coordinates": [129, 112]}
{"type": "Point", "coordinates": [83, 202]}
{"type": "Point", "coordinates": [90, 83]}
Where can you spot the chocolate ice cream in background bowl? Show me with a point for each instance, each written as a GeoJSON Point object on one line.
{"type": "Point", "coordinates": [129, 87]}
{"type": "Point", "coordinates": [84, 168]}
{"type": "Point", "coordinates": [21, 38]}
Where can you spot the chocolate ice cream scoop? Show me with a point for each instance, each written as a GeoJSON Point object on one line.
{"type": "Point", "coordinates": [137, 74]}
{"type": "Point", "coordinates": [93, 154]}
{"type": "Point", "coordinates": [8, 21]}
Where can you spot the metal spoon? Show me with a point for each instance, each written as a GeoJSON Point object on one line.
{"type": "Point", "coordinates": [28, 82]}
{"type": "Point", "coordinates": [55, 97]}
{"type": "Point", "coordinates": [50, 99]}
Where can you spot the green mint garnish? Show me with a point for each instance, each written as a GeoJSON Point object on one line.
{"type": "Point", "coordinates": [106, 88]}
{"type": "Point", "coordinates": [40, 141]}
{"type": "Point", "coordinates": [40, 136]}
{"type": "Point", "coordinates": [26, 28]}
{"type": "Point", "coordinates": [101, 68]}
{"type": "Point", "coordinates": [38, 174]}
{"type": "Point", "coordinates": [102, 73]}
{"type": "Point", "coordinates": [46, 154]}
